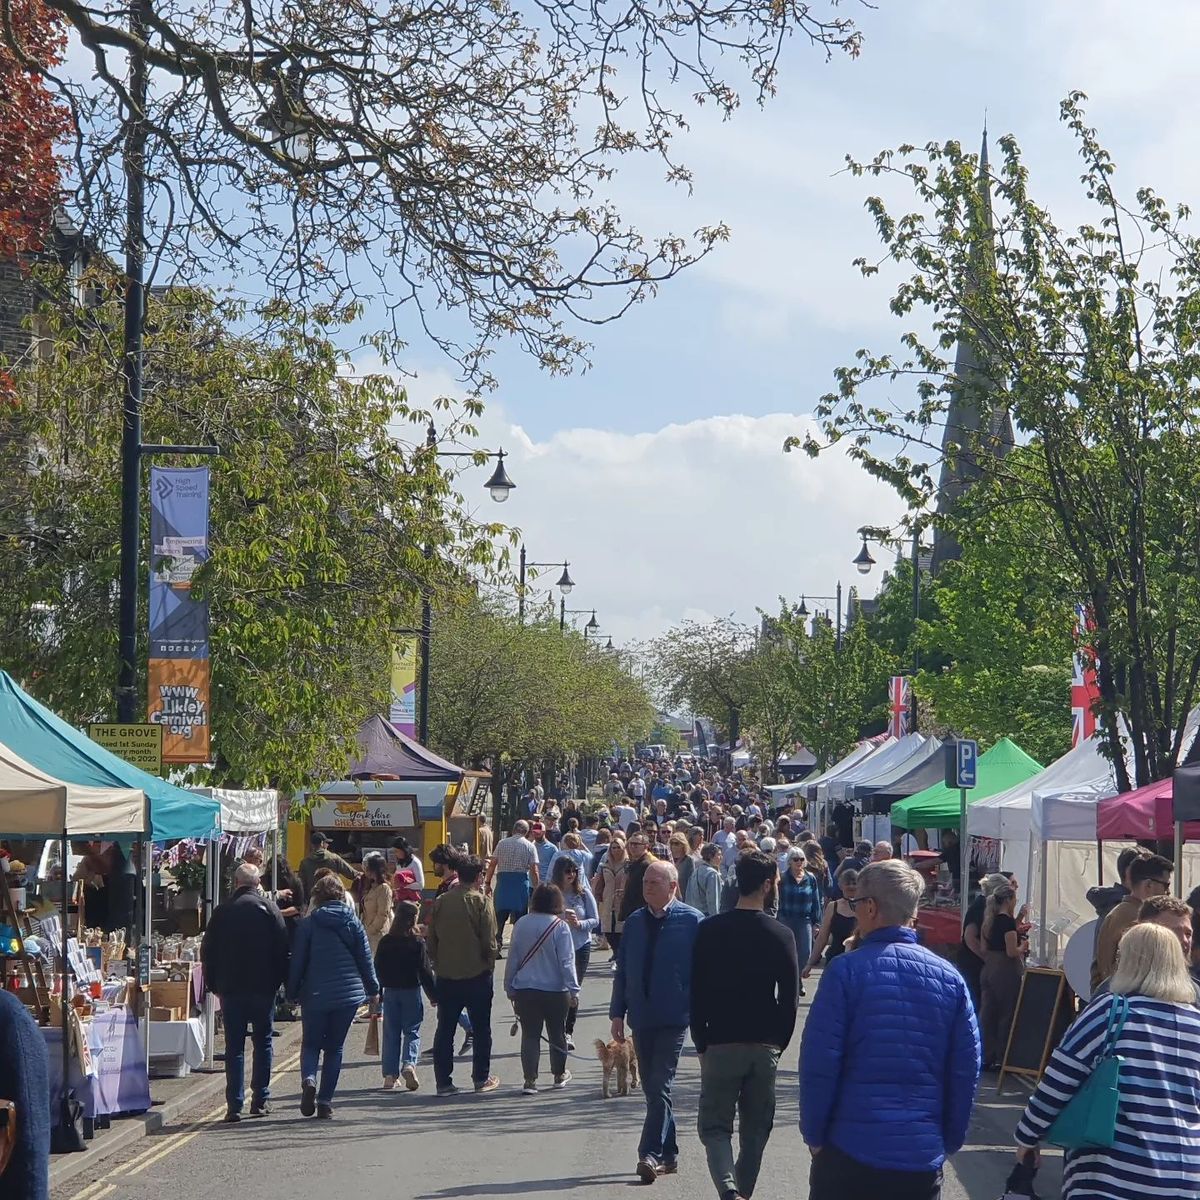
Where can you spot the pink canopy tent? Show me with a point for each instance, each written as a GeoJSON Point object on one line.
{"type": "Point", "coordinates": [1145, 813]}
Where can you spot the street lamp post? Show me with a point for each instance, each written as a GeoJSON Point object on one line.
{"type": "Point", "coordinates": [864, 562]}
{"type": "Point", "coordinates": [803, 611]}
{"type": "Point", "coordinates": [564, 585]}
{"type": "Point", "coordinates": [564, 612]}
{"type": "Point", "coordinates": [498, 485]}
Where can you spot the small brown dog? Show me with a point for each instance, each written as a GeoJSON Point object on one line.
{"type": "Point", "coordinates": [622, 1058]}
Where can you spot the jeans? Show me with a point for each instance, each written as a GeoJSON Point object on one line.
{"type": "Point", "coordinates": [658, 1052]}
{"type": "Point", "coordinates": [503, 915]}
{"type": "Point", "coordinates": [323, 1037]}
{"type": "Point", "coordinates": [254, 1012]}
{"type": "Point", "coordinates": [537, 1010]}
{"type": "Point", "coordinates": [837, 1176]}
{"type": "Point", "coordinates": [475, 995]}
{"type": "Point", "coordinates": [403, 1011]}
{"type": "Point", "coordinates": [583, 956]}
{"type": "Point", "coordinates": [737, 1077]}
{"type": "Point", "coordinates": [802, 931]}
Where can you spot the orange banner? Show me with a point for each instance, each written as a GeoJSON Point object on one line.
{"type": "Point", "coordinates": [179, 702]}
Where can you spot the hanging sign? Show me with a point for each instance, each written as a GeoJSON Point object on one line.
{"type": "Point", "coordinates": [140, 745]}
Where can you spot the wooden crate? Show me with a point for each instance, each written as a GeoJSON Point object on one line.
{"type": "Point", "coordinates": [172, 994]}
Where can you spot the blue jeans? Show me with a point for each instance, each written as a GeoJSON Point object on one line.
{"type": "Point", "coordinates": [242, 1013]}
{"type": "Point", "coordinates": [803, 933]}
{"type": "Point", "coordinates": [453, 995]}
{"type": "Point", "coordinates": [658, 1052]}
{"type": "Point", "coordinates": [323, 1038]}
{"type": "Point", "coordinates": [403, 1012]}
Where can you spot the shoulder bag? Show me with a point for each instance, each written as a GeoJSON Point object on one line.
{"type": "Point", "coordinates": [538, 945]}
{"type": "Point", "coordinates": [1089, 1120]}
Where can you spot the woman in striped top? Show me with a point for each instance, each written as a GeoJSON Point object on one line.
{"type": "Point", "coordinates": [1156, 1152]}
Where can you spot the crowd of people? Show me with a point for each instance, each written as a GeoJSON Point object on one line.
{"type": "Point", "coordinates": [714, 911]}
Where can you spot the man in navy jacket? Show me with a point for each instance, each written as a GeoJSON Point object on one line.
{"type": "Point", "coordinates": [653, 988]}
{"type": "Point", "coordinates": [890, 1057]}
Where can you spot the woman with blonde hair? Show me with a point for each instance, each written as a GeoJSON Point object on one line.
{"type": "Point", "coordinates": [376, 899]}
{"type": "Point", "coordinates": [680, 851]}
{"type": "Point", "coordinates": [1005, 948]}
{"type": "Point", "coordinates": [608, 886]}
{"type": "Point", "coordinates": [1156, 1033]}
{"type": "Point", "coordinates": [971, 952]}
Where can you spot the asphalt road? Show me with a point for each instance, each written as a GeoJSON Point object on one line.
{"type": "Point", "coordinates": [418, 1147]}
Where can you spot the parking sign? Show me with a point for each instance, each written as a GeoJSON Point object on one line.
{"type": "Point", "coordinates": [961, 759]}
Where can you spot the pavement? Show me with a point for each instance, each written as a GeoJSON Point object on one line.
{"type": "Point", "coordinates": [505, 1144]}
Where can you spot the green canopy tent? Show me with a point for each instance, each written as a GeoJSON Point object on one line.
{"type": "Point", "coordinates": [1003, 766]}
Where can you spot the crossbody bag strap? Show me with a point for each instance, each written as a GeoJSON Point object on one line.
{"type": "Point", "coordinates": [539, 943]}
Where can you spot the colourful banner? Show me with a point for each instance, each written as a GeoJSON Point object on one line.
{"type": "Point", "coordinates": [403, 714]}
{"type": "Point", "coordinates": [1085, 686]}
{"type": "Point", "coordinates": [899, 703]}
{"type": "Point", "coordinates": [179, 664]}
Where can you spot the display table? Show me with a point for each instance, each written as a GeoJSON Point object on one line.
{"type": "Point", "coordinates": [939, 926]}
{"type": "Point", "coordinates": [119, 1083]}
{"type": "Point", "coordinates": [176, 1047]}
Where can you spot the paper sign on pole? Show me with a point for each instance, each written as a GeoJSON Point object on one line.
{"type": "Point", "coordinates": [140, 745]}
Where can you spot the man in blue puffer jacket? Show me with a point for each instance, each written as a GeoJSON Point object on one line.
{"type": "Point", "coordinates": [890, 1057]}
{"type": "Point", "coordinates": [653, 987]}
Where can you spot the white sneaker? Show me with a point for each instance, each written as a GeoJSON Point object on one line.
{"type": "Point", "coordinates": [570, 1042]}
{"type": "Point", "coordinates": [530, 1088]}
{"type": "Point", "coordinates": [561, 1081]}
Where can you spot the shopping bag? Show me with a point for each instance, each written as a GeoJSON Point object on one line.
{"type": "Point", "coordinates": [371, 1046]}
{"type": "Point", "coordinates": [1020, 1183]}
{"type": "Point", "coordinates": [67, 1136]}
{"type": "Point", "coordinates": [1089, 1120]}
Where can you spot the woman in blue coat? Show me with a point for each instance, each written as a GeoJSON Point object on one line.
{"type": "Point", "coordinates": [331, 976]}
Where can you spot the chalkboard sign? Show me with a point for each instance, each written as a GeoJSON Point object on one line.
{"type": "Point", "coordinates": [1044, 1011]}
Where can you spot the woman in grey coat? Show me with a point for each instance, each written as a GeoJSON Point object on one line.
{"type": "Point", "coordinates": [704, 887]}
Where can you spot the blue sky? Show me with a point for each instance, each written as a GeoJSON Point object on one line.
{"type": "Point", "coordinates": [659, 470]}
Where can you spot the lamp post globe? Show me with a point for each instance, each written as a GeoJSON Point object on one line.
{"type": "Point", "coordinates": [565, 582]}
{"type": "Point", "coordinates": [499, 485]}
{"type": "Point", "coordinates": [593, 624]}
{"type": "Point", "coordinates": [863, 560]}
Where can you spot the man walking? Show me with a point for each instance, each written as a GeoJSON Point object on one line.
{"type": "Point", "coordinates": [321, 856]}
{"type": "Point", "coordinates": [741, 1022]}
{"type": "Point", "coordinates": [461, 940]}
{"type": "Point", "coordinates": [512, 874]}
{"type": "Point", "coordinates": [245, 956]}
{"type": "Point", "coordinates": [652, 987]}
{"type": "Point", "coordinates": [890, 1057]}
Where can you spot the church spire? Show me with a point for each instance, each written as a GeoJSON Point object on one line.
{"type": "Point", "coordinates": [975, 426]}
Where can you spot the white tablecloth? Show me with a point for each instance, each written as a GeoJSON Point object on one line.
{"type": "Point", "coordinates": [178, 1039]}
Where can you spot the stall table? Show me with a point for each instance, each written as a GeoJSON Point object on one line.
{"type": "Point", "coordinates": [939, 926]}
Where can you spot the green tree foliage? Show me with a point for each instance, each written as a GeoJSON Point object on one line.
{"type": "Point", "coordinates": [836, 691]}
{"type": "Point", "coordinates": [319, 511]}
{"type": "Point", "coordinates": [700, 667]}
{"type": "Point", "coordinates": [1003, 629]}
{"type": "Point", "coordinates": [1089, 337]}
{"type": "Point", "coordinates": [527, 694]}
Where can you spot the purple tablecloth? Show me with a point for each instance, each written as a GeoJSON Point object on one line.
{"type": "Point", "coordinates": [120, 1084]}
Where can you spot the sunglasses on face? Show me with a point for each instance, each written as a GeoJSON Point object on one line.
{"type": "Point", "coordinates": [855, 901]}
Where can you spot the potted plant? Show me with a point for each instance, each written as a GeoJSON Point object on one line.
{"type": "Point", "coordinates": [15, 870]}
{"type": "Point", "coordinates": [190, 874]}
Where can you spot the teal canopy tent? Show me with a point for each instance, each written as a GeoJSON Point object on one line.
{"type": "Point", "coordinates": [48, 742]}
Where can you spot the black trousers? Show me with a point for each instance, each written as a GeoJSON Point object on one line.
{"type": "Point", "coordinates": [837, 1176]}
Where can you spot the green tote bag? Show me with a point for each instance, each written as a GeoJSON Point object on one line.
{"type": "Point", "coordinates": [1089, 1120]}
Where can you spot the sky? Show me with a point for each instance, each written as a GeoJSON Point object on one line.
{"type": "Point", "coordinates": [659, 472]}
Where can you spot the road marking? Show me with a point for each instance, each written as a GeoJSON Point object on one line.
{"type": "Point", "coordinates": [94, 1191]}
{"type": "Point", "coordinates": [175, 1141]}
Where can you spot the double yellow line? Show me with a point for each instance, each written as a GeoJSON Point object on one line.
{"type": "Point", "coordinates": [163, 1147]}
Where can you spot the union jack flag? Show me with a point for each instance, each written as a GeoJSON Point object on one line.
{"type": "Point", "coordinates": [1085, 691]}
{"type": "Point", "coordinates": [899, 699]}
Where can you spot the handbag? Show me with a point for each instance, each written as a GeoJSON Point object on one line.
{"type": "Point", "coordinates": [371, 1045]}
{"type": "Point", "coordinates": [1020, 1183]}
{"type": "Point", "coordinates": [67, 1136]}
{"type": "Point", "coordinates": [1089, 1120]}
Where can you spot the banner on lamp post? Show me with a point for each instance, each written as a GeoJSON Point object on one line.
{"type": "Point", "coordinates": [403, 714]}
{"type": "Point", "coordinates": [179, 676]}
{"type": "Point", "coordinates": [1085, 688]}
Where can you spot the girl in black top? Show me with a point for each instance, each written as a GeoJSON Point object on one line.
{"type": "Point", "coordinates": [402, 965]}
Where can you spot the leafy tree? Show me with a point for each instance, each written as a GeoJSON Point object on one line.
{"type": "Point", "coordinates": [455, 159]}
{"type": "Point", "coordinates": [833, 688]}
{"type": "Point", "coordinates": [318, 515]}
{"type": "Point", "coordinates": [772, 703]}
{"type": "Point", "coordinates": [700, 667]}
{"type": "Point", "coordinates": [1089, 338]}
{"type": "Point", "coordinates": [32, 119]}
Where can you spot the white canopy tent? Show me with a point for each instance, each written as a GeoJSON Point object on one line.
{"type": "Point", "coordinates": [809, 786]}
{"type": "Point", "coordinates": [35, 804]}
{"type": "Point", "coordinates": [873, 766]}
{"type": "Point", "coordinates": [818, 792]}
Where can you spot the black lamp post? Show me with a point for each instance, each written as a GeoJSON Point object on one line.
{"type": "Point", "coordinates": [802, 611]}
{"type": "Point", "coordinates": [565, 582]}
{"type": "Point", "coordinates": [864, 562]}
{"type": "Point", "coordinates": [498, 486]}
{"type": "Point", "coordinates": [564, 612]}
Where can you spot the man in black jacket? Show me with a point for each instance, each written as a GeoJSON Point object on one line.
{"type": "Point", "coordinates": [245, 956]}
